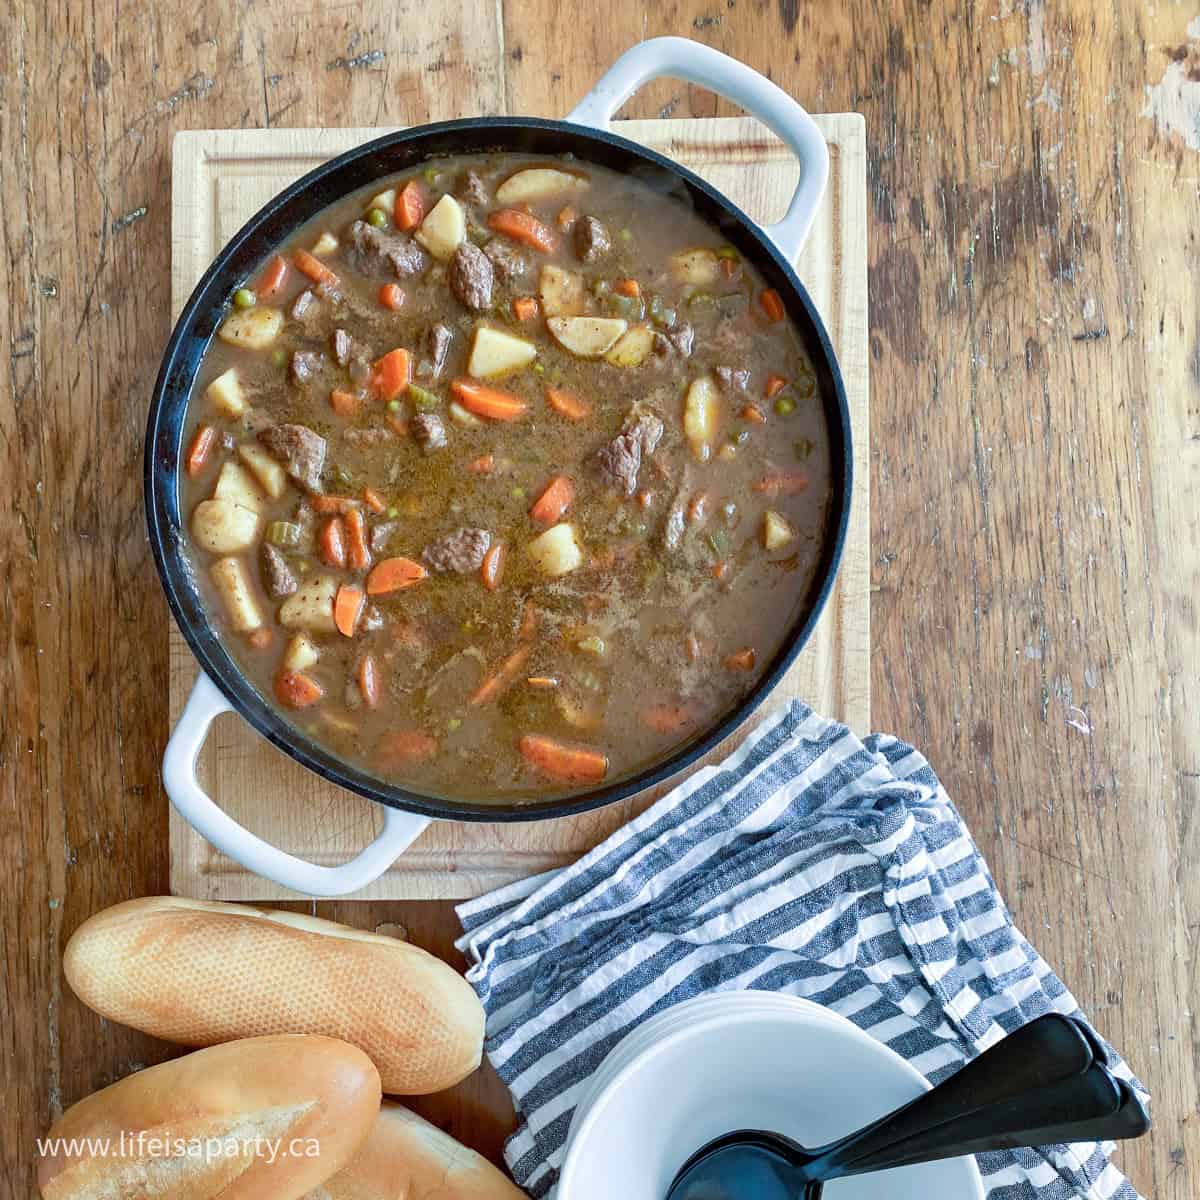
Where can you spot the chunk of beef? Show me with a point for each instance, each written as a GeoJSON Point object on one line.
{"type": "Point", "coordinates": [376, 252]}
{"type": "Point", "coordinates": [676, 521]}
{"type": "Point", "coordinates": [381, 534]}
{"type": "Point", "coordinates": [301, 451]}
{"type": "Point", "coordinates": [304, 305]}
{"type": "Point", "coordinates": [621, 460]}
{"type": "Point", "coordinates": [341, 342]}
{"type": "Point", "coordinates": [511, 265]}
{"type": "Point", "coordinates": [472, 189]}
{"type": "Point", "coordinates": [372, 435]}
{"type": "Point", "coordinates": [278, 578]}
{"type": "Point", "coordinates": [592, 240]}
{"type": "Point", "coordinates": [428, 431]}
{"type": "Point", "coordinates": [460, 551]}
{"type": "Point", "coordinates": [732, 381]}
{"type": "Point", "coordinates": [305, 364]}
{"type": "Point", "coordinates": [676, 341]}
{"type": "Point", "coordinates": [471, 277]}
{"type": "Point", "coordinates": [435, 347]}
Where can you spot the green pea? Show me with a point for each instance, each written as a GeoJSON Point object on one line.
{"type": "Point", "coordinates": [785, 406]}
{"type": "Point", "coordinates": [393, 512]}
{"type": "Point", "coordinates": [625, 234]}
{"type": "Point", "coordinates": [394, 406]}
{"type": "Point", "coordinates": [806, 385]}
{"type": "Point", "coordinates": [538, 369]}
{"type": "Point", "coordinates": [244, 298]}
{"type": "Point", "coordinates": [518, 493]}
{"type": "Point", "coordinates": [279, 358]}
{"type": "Point", "coordinates": [803, 447]}
{"type": "Point", "coordinates": [377, 217]}
{"type": "Point", "coordinates": [453, 723]}
{"type": "Point", "coordinates": [422, 398]}
{"type": "Point", "coordinates": [728, 252]}
{"type": "Point", "coordinates": [430, 174]}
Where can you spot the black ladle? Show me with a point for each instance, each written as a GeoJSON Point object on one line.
{"type": "Point", "coordinates": [1047, 1082]}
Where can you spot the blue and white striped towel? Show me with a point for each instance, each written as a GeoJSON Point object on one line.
{"type": "Point", "coordinates": [809, 863]}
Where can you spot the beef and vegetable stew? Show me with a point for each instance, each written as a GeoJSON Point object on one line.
{"type": "Point", "coordinates": [505, 478]}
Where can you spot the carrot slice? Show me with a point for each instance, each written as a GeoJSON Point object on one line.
{"type": "Point", "coordinates": [373, 500]}
{"type": "Point", "coordinates": [741, 660]}
{"type": "Point", "coordinates": [488, 402]}
{"type": "Point", "coordinates": [297, 690]}
{"type": "Point", "coordinates": [522, 227]}
{"type": "Point", "coordinates": [392, 296]}
{"type": "Point", "coordinates": [345, 404]}
{"type": "Point", "coordinates": [525, 308]}
{"type": "Point", "coordinates": [774, 385]}
{"type": "Point", "coordinates": [628, 287]}
{"type": "Point", "coordinates": [200, 449]}
{"type": "Point", "coordinates": [347, 608]}
{"type": "Point", "coordinates": [483, 464]}
{"type": "Point", "coordinates": [568, 764]}
{"type": "Point", "coordinates": [369, 683]}
{"type": "Point", "coordinates": [754, 414]}
{"type": "Point", "coordinates": [358, 554]}
{"type": "Point", "coordinates": [504, 676]}
{"type": "Point", "coordinates": [668, 718]}
{"type": "Point", "coordinates": [333, 504]}
{"type": "Point", "coordinates": [271, 280]}
{"type": "Point", "coordinates": [783, 483]}
{"type": "Point", "coordinates": [314, 268]}
{"type": "Point", "coordinates": [390, 375]}
{"type": "Point", "coordinates": [529, 621]}
{"type": "Point", "coordinates": [410, 206]}
{"type": "Point", "coordinates": [566, 404]}
{"type": "Point", "coordinates": [553, 502]}
{"type": "Point", "coordinates": [331, 543]}
{"type": "Point", "coordinates": [393, 574]}
{"type": "Point", "coordinates": [772, 305]}
{"type": "Point", "coordinates": [698, 507]}
{"type": "Point", "coordinates": [720, 569]}
{"type": "Point", "coordinates": [493, 567]}
{"type": "Point", "coordinates": [405, 746]}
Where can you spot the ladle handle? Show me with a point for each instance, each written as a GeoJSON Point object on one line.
{"type": "Point", "coordinates": [1045, 1051]}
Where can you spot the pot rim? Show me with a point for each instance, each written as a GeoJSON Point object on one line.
{"type": "Point", "coordinates": [196, 324]}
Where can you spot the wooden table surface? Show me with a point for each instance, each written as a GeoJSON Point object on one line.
{"type": "Point", "coordinates": [1035, 462]}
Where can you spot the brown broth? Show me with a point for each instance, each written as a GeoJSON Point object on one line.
{"type": "Point", "coordinates": [668, 625]}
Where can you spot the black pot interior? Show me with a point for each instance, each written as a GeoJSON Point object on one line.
{"type": "Point", "coordinates": [271, 226]}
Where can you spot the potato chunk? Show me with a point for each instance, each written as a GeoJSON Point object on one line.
{"type": "Point", "coordinates": [556, 552]}
{"type": "Point", "coordinates": [300, 654]}
{"type": "Point", "coordinates": [495, 352]}
{"type": "Point", "coordinates": [237, 594]}
{"type": "Point", "coordinates": [222, 527]}
{"type": "Point", "coordinates": [271, 476]}
{"type": "Point", "coordinates": [236, 485]}
{"type": "Point", "coordinates": [311, 607]}
{"type": "Point", "coordinates": [325, 244]}
{"type": "Point", "coordinates": [226, 393]}
{"type": "Point", "coordinates": [777, 532]}
{"type": "Point", "coordinates": [443, 229]}
{"type": "Point", "coordinates": [632, 347]}
{"type": "Point", "coordinates": [562, 292]}
{"type": "Point", "coordinates": [586, 337]}
{"type": "Point", "coordinates": [251, 328]}
{"type": "Point", "coordinates": [701, 412]}
{"type": "Point", "coordinates": [699, 267]}
{"type": "Point", "coordinates": [538, 183]}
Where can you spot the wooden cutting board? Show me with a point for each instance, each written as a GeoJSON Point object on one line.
{"type": "Point", "coordinates": [220, 178]}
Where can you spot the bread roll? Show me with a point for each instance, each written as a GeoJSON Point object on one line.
{"type": "Point", "coordinates": [406, 1158]}
{"type": "Point", "coordinates": [263, 1119]}
{"type": "Point", "coordinates": [200, 973]}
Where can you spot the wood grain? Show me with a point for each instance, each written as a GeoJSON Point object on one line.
{"type": "Point", "coordinates": [219, 179]}
{"type": "Point", "coordinates": [1035, 461]}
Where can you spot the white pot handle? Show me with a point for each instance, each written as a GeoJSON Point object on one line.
{"type": "Point", "coordinates": [683, 59]}
{"type": "Point", "coordinates": [205, 704]}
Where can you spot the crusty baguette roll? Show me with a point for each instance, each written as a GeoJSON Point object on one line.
{"type": "Point", "coordinates": [406, 1158]}
{"type": "Point", "coordinates": [263, 1119]}
{"type": "Point", "coordinates": [199, 973]}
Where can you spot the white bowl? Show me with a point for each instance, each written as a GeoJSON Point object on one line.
{"type": "Point", "coordinates": [742, 1060]}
